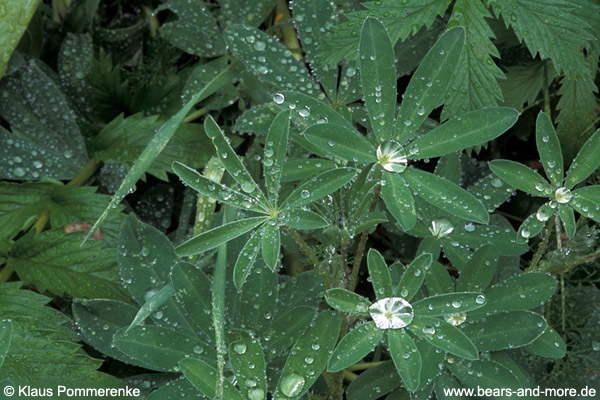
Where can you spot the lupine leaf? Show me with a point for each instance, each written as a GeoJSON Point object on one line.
{"type": "Point", "coordinates": [568, 219]}
{"type": "Point", "coordinates": [342, 142]}
{"type": "Point", "coordinates": [204, 378]}
{"type": "Point", "coordinates": [444, 336]}
{"type": "Point", "coordinates": [318, 186]}
{"type": "Point", "coordinates": [535, 223]}
{"type": "Point", "coordinates": [406, 357]}
{"type": "Point", "coordinates": [14, 22]}
{"type": "Point", "coordinates": [479, 270]}
{"type": "Point", "coordinates": [248, 364]}
{"type": "Point", "coordinates": [275, 152]}
{"type": "Point", "coordinates": [353, 347]}
{"type": "Point", "coordinates": [347, 301]}
{"type": "Point", "coordinates": [271, 242]}
{"type": "Point", "coordinates": [374, 382]}
{"type": "Point", "coordinates": [413, 277]}
{"type": "Point", "coordinates": [586, 161]}
{"type": "Point", "coordinates": [443, 304]}
{"type": "Point", "coordinates": [521, 177]}
{"type": "Point", "coordinates": [399, 200]}
{"type": "Point", "coordinates": [549, 149]}
{"type": "Point", "coordinates": [380, 275]}
{"type": "Point", "coordinates": [246, 259]}
{"type": "Point", "coordinates": [6, 330]}
{"type": "Point", "coordinates": [549, 344]}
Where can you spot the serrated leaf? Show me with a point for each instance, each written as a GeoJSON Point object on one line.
{"type": "Point", "coordinates": [429, 83]}
{"type": "Point", "coordinates": [549, 344]}
{"type": "Point", "coordinates": [505, 330]}
{"type": "Point", "coordinates": [248, 364]}
{"type": "Point", "coordinates": [586, 161]}
{"type": "Point", "coordinates": [342, 142]}
{"type": "Point", "coordinates": [354, 346]}
{"type": "Point", "coordinates": [275, 153]}
{"type": "Point", "coordinates": [521, 177]}
{"type": "Point", "coordinates": [379, 274]}
{"type": "Point", "coordinates": [204, 378]}
{"type": "Point", "coordinates": [449, 303]}
{"type": "Point", "coordinates": [524, 83]}
{"type": "Point", "coordinates": [444, 336]}
{"type": "Point", "coordinates": [479, 271]}
{"type": "Point", "coordinates": [399, 200]}
{"type": "Point", "coordinates": [446, 195]}
{"type": "Point", "coordinates": [15, 18]}
{"type": "Point", "coordinates": [317, 343]}
{"type": "Point", "coordinates": [470, 129]}
{"type": "Point", "coordinates": [318, 186]}
{"type": "Point", "coordinates": [217, 236]}
{"type": "Point", "coordinates": [347, 301]}
{"type": "Point", "coordinates": [549, 148]}
{"type": "Point", "coordinates": [413, 276]}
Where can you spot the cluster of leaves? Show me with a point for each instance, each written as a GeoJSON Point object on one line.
{"type": "Point", "coordinates": [228, 259]}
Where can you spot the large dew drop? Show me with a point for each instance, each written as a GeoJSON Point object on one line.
{"type": "Point", "coordinates": [392, 157]}
{"type": "Point", "coordinates": [292, 385]}
{"type": "Point", "coordinates": [392, 313]}
{"type": "Point", "coordinates": [441, 227]}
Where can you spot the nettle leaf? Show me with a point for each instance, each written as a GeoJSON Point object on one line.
{"type": "Point", "coordinates": [269, 60]}
{"type": "Point", "coordinates": [353, 347]}
{"type": "Point", "coordinates": [505, 330]}
{"type": "Point", "coordinates": [15, 18]}
{"type": "Point", "coordinates": [429, 83]}
{"type": "Point", "coordinates": [521, 177]}
{"type": "Point", "coordinates": [444, 336]}
{"type": "Point", "coordinates": [205, 378]}
{"type": "Point", "coordinates": [551, 29]}
{"type": "Point", "coordinates": [524, 83]}
{"type": "Point", "coordinates": [45, 139]}
{"type": "Point", "coordinates": [248, 364]}
{"type": "Point", "coordinates": [56, 261]}
{"type": "Point", "coordinates": [475, 79]}
{"type": "Point", "coordinates": [378, 77]}
{"type": "Point", "coordinates": [195, 31]}
{"type": "Point", "coordinates": [124, 139]}
{"type": "Point", "coordinates": [316, 345]}
{"type": "Point", "coordinates": [347, 301]}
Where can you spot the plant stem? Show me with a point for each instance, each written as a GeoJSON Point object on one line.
{"type": "Point", "coordinates": [363, 242]}
{"type": "Point", "coordinates": [84, 173]}
{"type": "Point", "coordinates": [289, 33]}
{"type": "Point", "coordinates": [349, 376]}
{"type": "Point", "coordinates": [153, 23]}
{"type": "Point", "coordinates": [540, 251]}
{"type": "Point", "coordinates": [195, 114]}
{"type": "Point", "coordinates": [5, 273]}
{"type": "Point", "coordinates": [562, 275]}
{"type": "Point", "coordinates": [363, 366]}
{"type": "Point", "coordinates": [303, 245]}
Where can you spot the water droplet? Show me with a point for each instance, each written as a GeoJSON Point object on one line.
{"type": "Point", "coordinates": [239, 347]}
{"type": "Point", "coordinates": [480, 299]}
{"type": "Point", "coordinates": [292, 385]}
{"type": "Point", "coordinates": [392, 157]}
{"type": "Point", "coordinates": [391, 313]}
{"type": "Point", "coordinates": [441, 227]}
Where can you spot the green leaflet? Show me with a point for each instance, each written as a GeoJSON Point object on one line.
{"type": "Point", "coordinates": [298, 375]}
{"type": "Point", "coordinates": [399, 200]}
{"type": "Point", "coordinates": [247, 258]}
{"type": "Point", "coordinates": [248, 364]}
{"type": "Point", "coordinates": [295, 170]}
{"type": "Point", "coordinates": [438, 279]}
{"type": "Point", "coordinates": [347, 301]}
{"type": "Point", "coordinates": [431, 359]}
{"type": "Point", "coordinates": [429, 83]}
{"type": "Point", "coordinates": [342, 142]}
{"type": "Point", "coordinates": [493, 375]}
{"type": "Point", "coordinates": [567, 216]}
{"type": "Point", "coordinates": [275, 153]}
{"type": "Point", "coordinates": [549, 344]}
{"type": "Point", "coordinates": [271, 242]}
{"type": "Point", "coordinates": [470, 129]}
{"type": "Point", "coordinates": [353, 347]}
{"type": "Point", "coordinates": [505, 330]}
{"type": "Point", "coordinates": [479, 270]}
{"type": "Point", "coordinates": [176, 389]}
{"type": "Point", "coordinates": [446, 195]}
{"type": "Point", "coordinates": [250, 12]}
{"type": "Point", "coordinates": [258, 299]}
{"type": "Point", "coordinates": [535, 223]}
{"type": "Point", "coordinates": [374, 382]}
{"type": "Point", "coordinates": [6, 330]}
{"type": "Point", "coordinates": [444, 336]}
{"type": "Point", "coordinates": [157, 144]}
{"type": "Point", "coordinates": [204, 378]}
{"type": "Point", "coordinates": [307, 110]}
{"type": "Point", "coordinates": [160, 349]}
{"type": "Point", "coordinates": [378, 77]}
{"type": "Point", "coordinates": [521, 177]}
{"type": "Point", "coordinates": [448, 303]}
{"type": "Point", "coordinates": [302, 219]}
{"type": "Point", "coordinates": [406, 357]}
{"type": "Point", "coordinates": [549, 148]}
{"type": "Point", "coordinates": [586, 161]}
{"type": "Point", "coordinates": [285, 330]}
{"type": "Point", "coordinates": [151, 305]}
{"type": "Point", "coordinates": [413, 277]}
{"type": "Point", "coordinates": [318, 186]}
{"type": "Point", "coordinates": [14, 22]}
{"type": "Point", "coordinates": [379, 274]}
{"type": "Point", "coordinates": [215, 237]}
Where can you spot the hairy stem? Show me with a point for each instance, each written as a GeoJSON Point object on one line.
{"type": "Point", "coordinates": [542, 247]}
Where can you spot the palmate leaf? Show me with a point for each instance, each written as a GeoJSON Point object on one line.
{"type": "Point", "coordinates": [549, 344]}
{"type": "Point", "coordinates": [318, 186]}
{"type": "Point", "coordinates": [57, 262]}
{"type": "Point", "coordinates": [448, 303]}
{"type": "Point", "coordinates": [151, 305]}
{"type": "Point", "coordinates": [374, 382]}
{"type": "Point", "coordinates": [479, 271]}
{"type": "Point", "coordinates": [551, 29]}
{"type": "Point", "coordinates": [247, 258]}
{"type": "Point", "coordinates": [475, 80]}
{"type": "Point", "coordinates": [347, 301]}
{"type": "Point", "coordinates": [493, 375]}
{"type": "Point", "coordinates": [285, 330]}
{"type": "Point", "coordinates": [413, 277]}
{"type": "Point", "coordinates": [399, 200]}
{"type": "Point", "coordinates": [14, 22]}
{"type": "Point", "coordinates": [271, 242]}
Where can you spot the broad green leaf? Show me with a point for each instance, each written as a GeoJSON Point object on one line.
{"type": "Point", "coordinates": [479, 271]}
{"type": "Point", "coordinates": [269, 60]}
{"type": "Point", "coordinates": [248, 364]}
{"type": "Point", "coordinates": [406, 357]}
{"type": "Point", "coordinates": [304, 219]}
{"type": "Point", "coordinates": [286, 330]}
{"type": "Point", "coordinates": [342, 142]}
{"type": "Point", "coordinates": [521, 177]}
{"type": "Point", "coordinates": [275, 153]}
{"type": "Point", "coordinates": [413, 276]}
{"type": "Point", "coordinates": [399, 200]}
{"type": "Point", "coordinates": [378, 77]}
{"type": "Point", "coordinates": [6, 329]}
{"type": "Point", "coordinates": [374, 382]}
{"type": "Point", "coordinates": [549, 148]}
{"type": "Point", "coordinates": [99, 320]}
{"type": "Point", "coordinates": [429, 83]}
{"type": "Point", "coordinates": [505, 330]}
{"type": "Point", "coordinates": [491, 375]}
{"type": "Point", "coordinates": [271, 242]}
{"type": "Point", "coordinates": [295, 170]}
{"type": "Point", "coordinates": [161, 349]}
{"type": "Point", "coordinates": [586, 161]}
{"type": "Point", "coordinates": [55, 261]}
{"type": "Point", "coordinates": [216, 190]}
{"type": "Point", "coordinates": [535, 223]}
{"type": "Point", "coordinates": [256, 119]}
{"type": "Point", "coordinates": [157, 144]}
{"type": "Point", "coordinates": [232, 163]}
{"type": "Point", "coordinates": [151, 305]}
{"type": "Point", "coordinates": [549, 344]}
{"type": "Point", "coordinates": [204, 378]}
{"type": "Point", "coordinates": [567, 217]}
{"type": "Point", "coordinates": [347, 301]}
{"type": "Point", "coordinates": [380, 275]}
{"type": "Point", "coordinates": [520, 292]}
{"type": "Point", "coordinates": [192, 291]}
{"type": "Point", "coordinates": [316, 344]}
{"type": "Point", "coordinates": [458, 133]}
{"type": "Point", "coordinates": [446, 195]}
{"type": "Point", "coordinates": [492, 191]}
{"type": "Point", "coordinates": [13, 24]}
{"type": "Point", "coordinates": [448, 303]}
{"type": "Point", "coordinates": [246, 259]}
{"type": "Point", "coordinates": [318, 186]}
{"type": "Point", "coordinates": [438, 279]}
{"type": "Point", "coordinates": [355, 346]}
{"type": "Point", "coordinates": [502, 358]}
{"type": "Point", "coordinates": [444, 336]}
{"type": "Point", "coordinates": [215, 237]}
